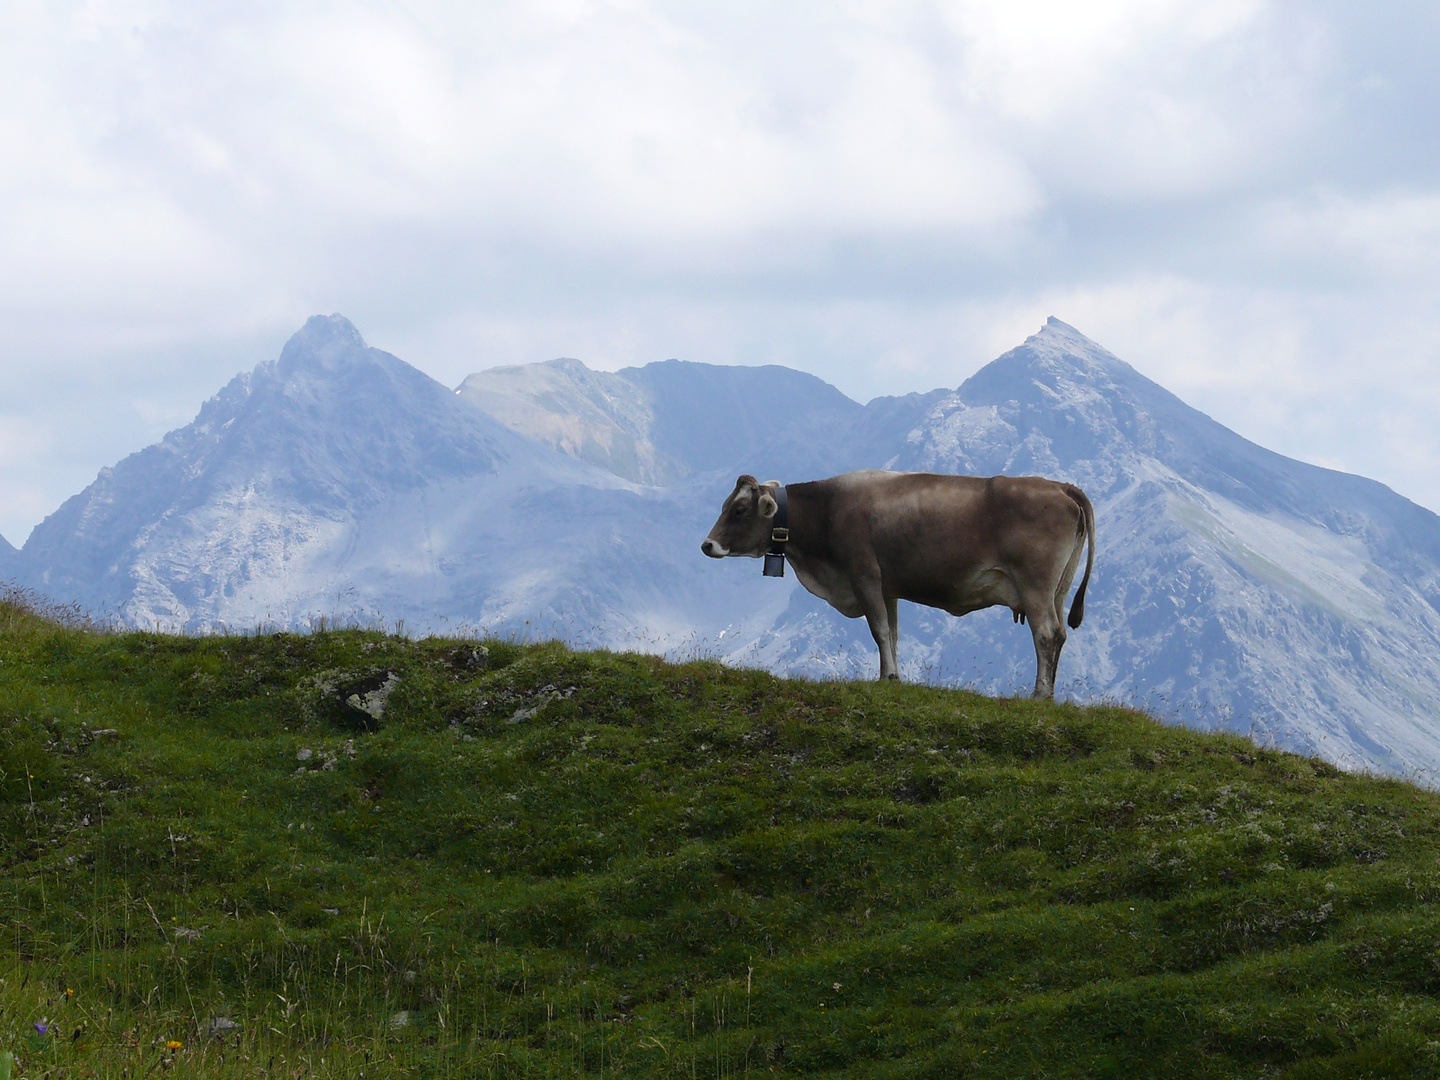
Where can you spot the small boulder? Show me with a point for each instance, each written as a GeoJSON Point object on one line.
{"type": "Point", "coordinates": [542, 697]}
{"type": "Point", "coordinates": [365, 697]}
{"type": "Point", "coordinates": [469, 658]}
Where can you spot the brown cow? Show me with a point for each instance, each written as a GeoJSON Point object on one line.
{"type": "Point", "coordinates": [864, 540]}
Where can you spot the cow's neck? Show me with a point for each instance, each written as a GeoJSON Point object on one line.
{"type": "Point", "coordinates": [810, 552]}
{"type": "Point", "coordinates": [806, 507]}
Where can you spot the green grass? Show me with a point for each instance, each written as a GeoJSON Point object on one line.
{"type": "Point", "coordinates": [676, 870]}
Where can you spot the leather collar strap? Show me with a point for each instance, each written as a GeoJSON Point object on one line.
{"type": "Point", "coordinates": [779, 535]}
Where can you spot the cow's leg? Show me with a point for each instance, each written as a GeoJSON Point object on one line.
{"type": "Point", "coordinates": [1049, 634]}
{"type": "Point", "coordinates": [880, 614]}
{"type": "Point", "coordinates": [892, 613]}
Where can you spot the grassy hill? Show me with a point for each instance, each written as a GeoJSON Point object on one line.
{"type": "Point", "coordinates": [537, 862]}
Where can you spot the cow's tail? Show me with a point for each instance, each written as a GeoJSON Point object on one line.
{"type": "Point", "coordinates": [1084, 534]}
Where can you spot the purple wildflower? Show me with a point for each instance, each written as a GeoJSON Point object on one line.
{"type": "Point", "coordinates": [42, 1027]}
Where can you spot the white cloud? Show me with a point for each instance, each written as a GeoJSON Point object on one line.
{"type": "Point", "coordinates": [1384, 235]}
{"type": "Point", "coordinates": [1230, 193]}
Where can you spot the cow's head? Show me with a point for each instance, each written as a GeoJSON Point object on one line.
{"type": "Point", "coordinates": [743, 527]}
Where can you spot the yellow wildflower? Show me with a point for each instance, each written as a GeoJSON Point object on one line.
{"type": "Point", "coordinates": [174, 1044]}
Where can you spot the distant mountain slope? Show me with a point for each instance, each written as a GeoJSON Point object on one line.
{"type": "Point", "coordinates": [596, 416]}
{"type": "Point", "coordinates": [666, 421]}
{"type": "Point", "coordinates": [767, 420]}
{"type": "Point", "coordinates": [9, 560]}
{"type": "Point", "coordinates": [1234, 587]}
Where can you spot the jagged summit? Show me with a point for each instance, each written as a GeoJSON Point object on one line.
{"type": "Point", "coordinates": [323, 333]}
{"type": "Point", "coordinates": [1060, 340]}
{"type": "Point", "coordinates": [1065, 361]}
{"type": "Point", "coordinates": [1057, 404]}
{"type": "Point", "coordinates": [326, 342]}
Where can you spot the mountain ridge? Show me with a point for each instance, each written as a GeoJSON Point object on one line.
{"type": "Point", "coordinates": [643, 423]}
{"type": "Point", "coordinates": [284, 455]}
{"type": "Point", "coordinates": [1230, 450]}
{"type": "Point", "coordinates": [1234, 588]}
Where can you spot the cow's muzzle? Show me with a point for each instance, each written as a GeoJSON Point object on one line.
{"type": "Point", "coordinates": [713, 548]}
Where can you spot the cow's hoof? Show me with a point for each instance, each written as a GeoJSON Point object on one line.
{"type": "Point", "coordinates": [892, 677]}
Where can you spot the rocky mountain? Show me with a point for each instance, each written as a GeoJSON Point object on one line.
{"type": "Point", "coordinates": [1234, 587]}
{"type": "Point", "coordinates": [596, 416]}
{"type": "Point", "coordinates": [340, 481]}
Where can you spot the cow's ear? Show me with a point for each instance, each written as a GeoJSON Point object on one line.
{"type": "Point", "coordinates": [768, 506]}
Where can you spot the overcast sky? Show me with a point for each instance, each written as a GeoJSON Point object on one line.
{"type": "Point", "coordinates": [1240, 197]}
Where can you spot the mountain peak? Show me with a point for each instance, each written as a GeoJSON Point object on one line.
{"type": "Point", "coordinates": [567, 363]}
{"type": "Point", "coordinates": [1057, 357]}
{"type": "Point", "coordinates": [1059, 342]}
{"type": "Point", "coordinates": [325, 338]}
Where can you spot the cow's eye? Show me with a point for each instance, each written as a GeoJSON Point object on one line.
{"type": "Point", "coordinates": [741, 509]}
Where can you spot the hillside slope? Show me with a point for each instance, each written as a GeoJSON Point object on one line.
{"type": "Point", "coordinates": [537, 862]}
